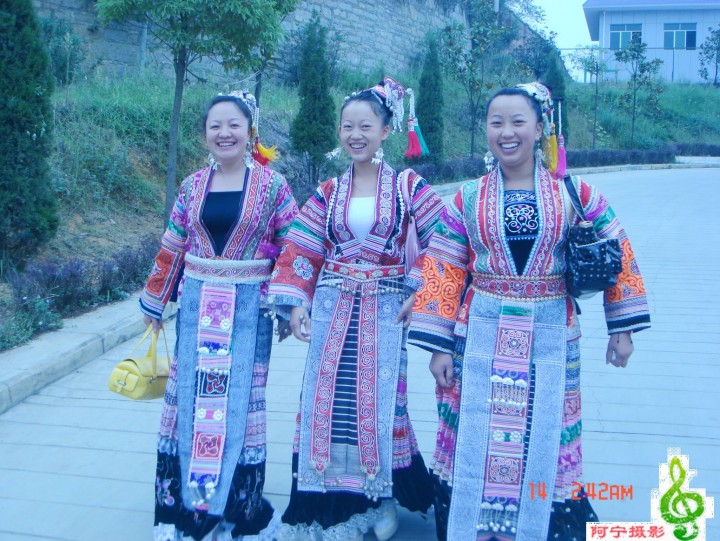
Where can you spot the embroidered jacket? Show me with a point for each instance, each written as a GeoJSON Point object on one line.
{"type": "Point", "coordinates": [266, 212]}
{"type": "Point", "coordinates": [469, 240]}
{"type": "Point", "coordinates": [321, 232]}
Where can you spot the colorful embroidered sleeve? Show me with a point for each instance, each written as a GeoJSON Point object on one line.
{"type": "Point", "coordinates": [286, 210]}
{"type": "Point", "coordinates": [169, 259]}
{"type": "Point", "coordinates": [427, 206]}
{"type": "Point", "coordinates": [302, 256]}
{"type": "Point", "coordinates": [626, 307]}
{"type": "Point", "coordinates": [442, 282]}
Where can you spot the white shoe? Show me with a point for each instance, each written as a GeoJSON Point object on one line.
{"type": "Point", "coordinates": [386, 526]}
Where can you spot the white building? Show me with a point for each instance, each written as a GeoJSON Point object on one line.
{"type": "Point", "coordinates": [672, 29]}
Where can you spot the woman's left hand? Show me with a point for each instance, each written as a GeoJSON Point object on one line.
{"type": "Point", "coordinates": [620, 347]}
{"type": "Point", "coordinates": [405, 314]}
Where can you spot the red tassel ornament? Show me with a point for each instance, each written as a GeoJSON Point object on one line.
{"type": "Point", "coordinates": [414, 149]}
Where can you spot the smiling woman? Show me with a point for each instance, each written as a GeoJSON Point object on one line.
{"type": "Point", "coordinates": [355, 450]}
{"type": "Point", "coordinates": [504, 336]}
{"type": "Point", "coordinates": [226, 228]}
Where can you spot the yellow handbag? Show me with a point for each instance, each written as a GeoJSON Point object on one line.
{"type": "Point", "coordinates": [142, 378]}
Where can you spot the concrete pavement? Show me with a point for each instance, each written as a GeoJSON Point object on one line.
{"type": "Point", "coordinates": [77, 461]}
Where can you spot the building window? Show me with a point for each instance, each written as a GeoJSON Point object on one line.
{"type": "Point", "coordinates": [680, 35]}
{"type": "Point", "coordinates": [622, 34]}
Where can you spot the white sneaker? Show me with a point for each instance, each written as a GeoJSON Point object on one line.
{"type": "Point", "coordinates": [386, 526]}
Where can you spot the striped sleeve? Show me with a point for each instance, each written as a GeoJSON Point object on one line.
{"type": "Point", "coordinates": [442, 282]}
{"type": "Point", "coordinates": [169, 260]}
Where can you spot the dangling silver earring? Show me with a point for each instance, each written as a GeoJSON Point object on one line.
{"type": "Point", "coordinates": [334, 154]}
{"type": "Point", "coordinates": [539, 156]}
{"type": "Point", "coordinates": [379, 155]}
{"type": "Point", "coordinates": [211, 162]}
{"type": "Point", "coordinates": [248, 158]}
{"type": "Point", "coordinates": [490, 161]}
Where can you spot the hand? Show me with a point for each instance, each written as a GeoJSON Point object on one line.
{"type": "Point", "coordinates": [283, 329]}
{"type": "Point", "coordinates": [620, 347]}
{"type": "Point", "coordinates": [299, 318]}
{"type": "Point", "coordinates": [157, 324]}
{"type": "Point", "coordinates": [441, 366]}
{"type": "Point", "coordinates": [405, 314]}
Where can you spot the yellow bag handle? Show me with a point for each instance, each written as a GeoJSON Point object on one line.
{"type": "Point", "coordinates": [152, 350]}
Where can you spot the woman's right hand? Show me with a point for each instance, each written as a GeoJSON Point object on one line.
{"type": "Point", "coordinates": [300, 318]}
{"type": "Point", "coordinates": [441, 366]}
{"type": "Point", "coordinates": [156, 323]}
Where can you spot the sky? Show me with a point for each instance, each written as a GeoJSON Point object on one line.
{"type": "Point", "coordinates": [566, 18]}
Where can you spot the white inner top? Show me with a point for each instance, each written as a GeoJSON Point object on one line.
{"type": "Point", "coordinates": [361, 216]}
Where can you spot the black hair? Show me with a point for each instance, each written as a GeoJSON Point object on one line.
{"type": "Point", "coordinates": [516, 92]}
{"type": "Point", "coordinates": [240, 104]}
{"type": "Point", "coordinates": [377, 104]}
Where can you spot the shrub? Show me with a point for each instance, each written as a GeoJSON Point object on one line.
{"type": "Point", "coordinates": [431, 104]}
{"type": "Point", "coordinates": [66, 50]}
{"type": "Point", "coordinates": [27, 205]}
{"type": "Point", "coordinates": [602, 157]}
{"type": "Point", "coordinates": [47, 290]}
{"type": "Point", "coordinates": [312, 133]}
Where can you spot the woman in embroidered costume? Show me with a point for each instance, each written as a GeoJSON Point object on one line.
{"type": "Point", "coordinates": [504, 334]}
{"type": "Point", "coordinates": [355, 449]}
{"type": "Point", "coordinates": [226, 227]}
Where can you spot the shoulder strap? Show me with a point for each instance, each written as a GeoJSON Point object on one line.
{"type": "Point", "coordinates": [574, 197]}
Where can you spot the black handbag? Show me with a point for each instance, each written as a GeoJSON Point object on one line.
{"type": "Point", "coordinates": [593, 264]}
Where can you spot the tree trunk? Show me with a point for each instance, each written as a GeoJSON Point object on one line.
{"type": "Point", "coordinates": [595, 113]}
{"type": "Point", "coordinates": [180, 62]}
{"type": "Point", "coordinates": [259, 80]}
{"type": "Point", "coordinates": [634, 111]}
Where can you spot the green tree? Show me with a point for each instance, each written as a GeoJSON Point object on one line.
{"type": "Point", "coordinates": [474, 57]}
{"type": "Point", "coordinates": [642, 91]}
{"type": "Point", "coordinates": [554, 78]}
{"type": "Point", "coordinates": [536, 54]}
{"type": "Point", "coordinates": [710, 56]}
{"type": "Point", "coordinates": [431, 103]}
{"type": "Point", "coordinates": [589, 59]}
{"type": "Point", "coordinates": [66, 50]}
{"type": "Point", "coordinates": [230, 30]}
{"type": "Point", "coordinates": [312, 133]}
{"type": "Point", "coordinates": [27, 205]}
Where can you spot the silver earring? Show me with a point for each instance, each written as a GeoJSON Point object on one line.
{"type": "Point", "coordinates": [539, 156]}
{"type": "Point", "coordinates": [490, 161]}
{"type": "Point", "coordinates": [248, 158]}
{"type": "Point", "coordinates": [379, 155]}
{"type": "Point", "coordinates": [334, 154]}
{"type": "Point", "coordinates": [211, 162]}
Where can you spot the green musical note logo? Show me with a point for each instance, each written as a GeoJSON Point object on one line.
{"type": "Point", "coordinates": [679, 508]}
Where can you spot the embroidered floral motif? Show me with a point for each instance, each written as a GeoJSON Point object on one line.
{"type": "Point", "coordinates": [514, 343]}
{"type": "Point", "coordinates": [162, 492]}
{"type": "Point", "coordinates": [504, 470]}
{"type": "Point", "coordinates": [302, 267]}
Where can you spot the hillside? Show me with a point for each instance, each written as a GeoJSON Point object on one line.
{"type": "Point", "coordinates": [109, 159]}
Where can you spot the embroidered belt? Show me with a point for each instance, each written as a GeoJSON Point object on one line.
{"type": "Point", "coordinates": [364, 273]}
{"type": "Point", "coordinates": [521, 288]}
{"type": "Point", "coordinates": [228, 271]}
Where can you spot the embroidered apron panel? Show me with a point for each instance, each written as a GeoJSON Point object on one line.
{"type": "Point", "coordinates": [492, 466]}
{"type": "Point", "coordinates": [213, 406]}
{"type": "Point", "coordinates": [379, 341]}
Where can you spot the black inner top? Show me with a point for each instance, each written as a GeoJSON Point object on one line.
{"type": "Point", "coordinates": [521, 225]}
{"type": "Point", "coordinates": [219, 215]}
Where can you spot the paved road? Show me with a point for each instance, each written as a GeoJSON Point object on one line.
{"type": "Point", "coordinates": [77, 463]}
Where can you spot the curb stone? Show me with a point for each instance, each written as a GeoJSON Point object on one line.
{"type": "Point", "coordinates": [27, 369]}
